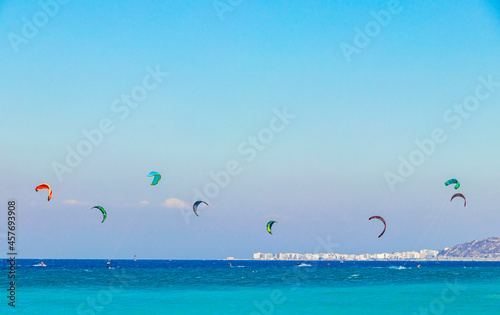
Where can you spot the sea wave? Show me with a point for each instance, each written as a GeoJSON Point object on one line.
{"type": "Point", "coordinates": [304, 265]}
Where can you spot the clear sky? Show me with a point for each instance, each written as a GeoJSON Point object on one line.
{"type": "Point", "coordinates": [182, 88]}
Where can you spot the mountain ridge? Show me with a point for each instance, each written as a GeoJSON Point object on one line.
{"type": "Point", "coordinates": [488, 248]}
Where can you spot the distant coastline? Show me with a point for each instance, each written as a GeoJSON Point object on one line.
{"type": "Point", "coordinates": [478, 250]}
{"type": "Point", "coordinates": [439, 259]}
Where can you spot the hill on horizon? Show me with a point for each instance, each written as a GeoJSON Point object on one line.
{"type": "Point", "coordinates": [483, 248]}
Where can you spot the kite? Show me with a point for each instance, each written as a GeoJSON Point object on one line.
{"type": "Point", "coordinates": [269, 226]}
{"type": "Point", "coordinates": [156, 178]}
{"type": "Point", "coordinates": [195, 206]}
{"type": "Point", "coordinates": [459, 195]}
{"type": "Point", "coordinates": [381, 219]}
{"type": "Point", "coordinates": [45, 186]}
{"type": "Point", "coordinates": [453, 181]}
{"type": "Point", "coordinates": [104, 214]}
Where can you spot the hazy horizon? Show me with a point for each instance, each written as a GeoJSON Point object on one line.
{"type": "Point", "coordinates": [315, 115]}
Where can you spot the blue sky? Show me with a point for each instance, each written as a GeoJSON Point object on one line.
{"type": "Point", "coordinates": [322, 176]}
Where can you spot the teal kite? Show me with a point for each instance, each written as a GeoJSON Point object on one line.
{"type": "Point", "coordinates": [156, 178]}
{"type": "Point", "coordinates": [453, 181]}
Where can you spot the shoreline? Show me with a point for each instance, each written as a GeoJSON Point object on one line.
{"type": "Point", "coordinates": [459, 259]}
{"type": "Point", "coordinates": [441, 259]}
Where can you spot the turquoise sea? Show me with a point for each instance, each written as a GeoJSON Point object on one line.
{"type": "Point", "coordinates": [252, 287]}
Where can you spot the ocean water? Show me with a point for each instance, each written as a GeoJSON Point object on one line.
{"type": "Point", "coordinates": [252, 287]}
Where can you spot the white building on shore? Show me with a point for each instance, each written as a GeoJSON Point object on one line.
{"type": "Point", "coordinates": [424, 254]}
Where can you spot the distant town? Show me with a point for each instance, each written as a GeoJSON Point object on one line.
{"type": "Point", "coordinates": [478, 250]}
{"type": "Point", "coordinates": [424, 254]}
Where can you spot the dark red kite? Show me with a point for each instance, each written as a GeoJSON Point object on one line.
{"type": "Point", "coordinates": [459, 195]}
{"type": "Point", "coordinates": [381, 219]}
